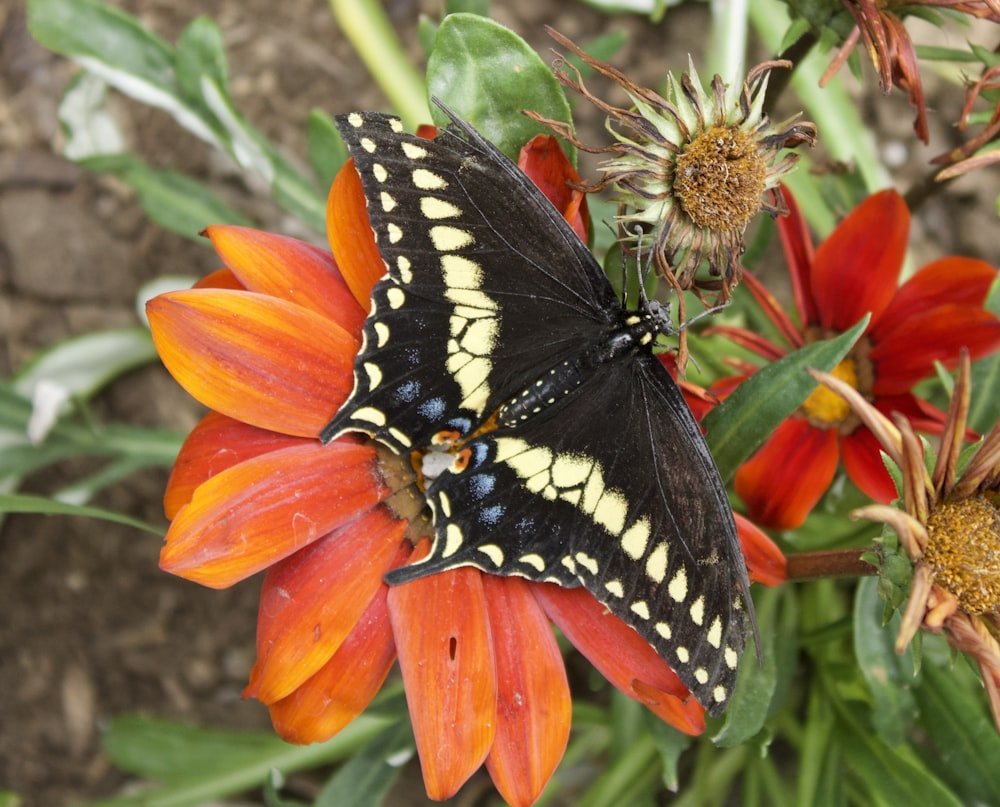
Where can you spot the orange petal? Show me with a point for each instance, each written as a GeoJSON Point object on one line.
{"type": "Point", "coordinates": [351, 238]}
{"type": "Point", "coordinates": [215, 444]}
{"type": "Point", "coordinates": [864, 254]}
{"type": "Point", "coordinates": [546, 164]}
{"type": "Point", "coordinates": [445, 652]}
{"type": "Point", "coordinates": [782, 482]}
{"type": "Point", "coordinates": [260, 511]}
{"type": "Point", "coordinates": [290, 270]}
{"type": "Point", "coordinates": [311, 601]}
{"type": "Point", "coordinates": [346, 684]}
{"type": "Point", "coordinates": [621, 655]}
{"type": "Point", "coordinates": [533, 699]}
{"type": "Point", "coordinates": [220, 279]}
{"type": "Point", "coordinates": [765, 562]}
{"type": "Point", "coordinates": [257, 359]}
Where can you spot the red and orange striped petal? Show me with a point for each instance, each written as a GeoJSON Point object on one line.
{"type": "Point", "coordinates": [350, 234]}
{"type": "Point", "coordinates": [621, 655]}
{"type": "Point", "coordinates": [311, 601]}
{"type": "Point", "coordinates": [442, 632]}
{"type": "Point", "coordinates": [256, 513]}
{"type": "Point", "coordinates": [766, 563]}
{"type": "Point", "coordinates": [865, 255]}
{"type": "Point", "coordinates": [342, 689]}
{"type": "Point", "coordinates": [258, 359]}
{"type": "Point", "coordinates": [790, 332]}
{"type": "Point", "coordinates": [290, 270]}
{"type": "Point", "coordinates": [220, 279]}
{"type": "Point", "coordinates": [908, 353]}
{"type": "Point", "coordinates": [861, 454]}
{"type": "Point", "coordinates": [533, 699]}
{"type": "Point", "coordinates": [781, 483]}
{"type": "Point", "coordinates": [547, 165]}
{"type": "Point", "coordinates": [215, 444]}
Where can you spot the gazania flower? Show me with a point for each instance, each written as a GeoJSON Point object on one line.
{"type": "Point", "coordinates": [879, 23]}
{"type": "Point", "coordinates": [926, 320]}
{"type": "Point", "coordinates": [695, 168]}
{"type": "Point", "coordinates": [268, 343]}
{"type": "Point", "coordinates": [950, 528]}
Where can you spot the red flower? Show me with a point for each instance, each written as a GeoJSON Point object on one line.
{"type": "Point", "coordinates": [268, 344]}
{"type": "Point", "coordinates": [926, 320]}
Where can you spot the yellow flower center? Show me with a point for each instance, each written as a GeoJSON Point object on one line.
{"type": "Point", "coordinates": [826, 408]}
{"type": "Point", "coordinates": [719, 178]}
{"type": "Point", "coordinates": [963, 549]}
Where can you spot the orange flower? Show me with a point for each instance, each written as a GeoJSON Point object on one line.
{"type": "Point", "coordinates": [926, 320]}
{"type": "Point", "coordinates": [268, 344]}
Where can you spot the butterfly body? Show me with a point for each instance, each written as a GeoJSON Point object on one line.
{"type": "Point", "coordinates": [571, 456]}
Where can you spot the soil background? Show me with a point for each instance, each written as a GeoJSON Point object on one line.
{"type": "Point", "coordinates": [89, 626]}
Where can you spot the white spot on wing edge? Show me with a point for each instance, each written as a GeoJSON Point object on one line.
{"type": "Point", "coordinates": [494, 553]}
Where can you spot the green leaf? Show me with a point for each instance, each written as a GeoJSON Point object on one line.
{"type": "Point", "coordinates": [82, 365]}
{"type": "Point", "coordinates": [891, 775]}
{"type": "Point", "coordinates": [889, 676]}
{"type": "Point", "coordinates": [200, 53]}
{"type": "Point", "coordinates": [171, 199]}
{"type": "Point", "coordinates": [741, 423]}
{"type": "Point", "coordinates": [327, 152]}
{"type": "Point", "coordinates": [670, 744]}
{"type": "Point", "coordinates": [966, 743]}
{"type": "Point", "coordinates": [200, 765]}
{"type": "Point", "coordinates": [40, 505]}
{"type": "Point", "coordinates": [488, 76]}
{"type": "Point", "coordinates": [367, 777]}
{"type": "Point", "coordinates": [984, 409]}
{"type": "Point", "coordinates": [90, 129]}
{"type": "Point", "coordinates": [755, 684]}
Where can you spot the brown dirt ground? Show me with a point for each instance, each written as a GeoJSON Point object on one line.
{"type": "Point", "coordinates": [90, 627]}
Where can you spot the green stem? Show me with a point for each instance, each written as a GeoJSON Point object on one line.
{"type": "Point", "coordinates": [367, 26]}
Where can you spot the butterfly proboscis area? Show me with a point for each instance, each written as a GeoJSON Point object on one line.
{"type": "Point", "coordinates": [556, 445]}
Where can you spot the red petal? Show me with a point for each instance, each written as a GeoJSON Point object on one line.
{"type": "Point", "coordinates": [545, 163]}
{"type": "Point", "coordinates": [311, 601]}
{"type": "Point", "coordinates": [255, 358]}
{"type": "Point", "coordinates": [765, 562]}
{"type": "Point", "coordinates": [260, 511]}
{"type": "Point", "coordinates": [289, 269]}
{"type": "Point", "coordinates": [799, 254]}
{"type": "Point", "coordinates": [345, 685]}
{"type": "Point", "coordinates": [215, 444]}
{"type": "Point", "coordinates": [958, 281]}
{"type": "Point", "coordinates": [782, 482]}
{"type": "Point", "coordinates": [533, 699]}
{"type": "Point", "coordinates": [907, 353]}
{"type": "Point", "coordinates": [862, 458]}
{"type": "Point", "coordinates": [351, 238]}
{"type": "Point", "coordinates": [445, 652]}
{"type": "Point", "coordinates": [621, 655]}
{"type": "Point", "coordinates": [856, 269]}
{"type": "Point", "coordinates": [791, 333]}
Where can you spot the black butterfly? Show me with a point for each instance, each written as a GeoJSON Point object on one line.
{"type": "Point", "coordinates": [556, 447]}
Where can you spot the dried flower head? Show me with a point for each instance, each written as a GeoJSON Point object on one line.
{"type": "Point", "coordinates": [949, 527]}
{"type": "Point", "coordinates": [694, 168]}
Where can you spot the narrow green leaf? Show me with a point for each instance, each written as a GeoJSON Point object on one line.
{"type": "Point", "coordinates": [966, 743]}
{"type": "Point", "coordinates": [738, 426]}
{"type": "Point", "coordinates": [82, 365]}
{"type": "Point", "coordinates": [984, 410]}
{"type": "Point", "coordinates": [488, 76]}
{"type": "Point", "coordinates": [755, 683]}
{"type": "Point", "coordinates": [670, 744]}
{"type": "Point", "coordinates": [327, 152]}
{"type": "Point", "coordinates": [200, 53]}
{"type": "Point", "coordinates": [40, 505]}
{"type": "Point", "coordinates": [888, 675]}
{"type": "Point", "coordinates": [364, 780]}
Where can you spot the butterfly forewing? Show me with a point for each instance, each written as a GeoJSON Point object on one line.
{"type": "Point", "coordinates": [571, 455]}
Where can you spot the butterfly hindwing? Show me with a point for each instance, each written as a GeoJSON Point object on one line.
{"type": "Point", "coordinates": [460, 283]}
{"type": "Point", "coordinates": [560, 499]}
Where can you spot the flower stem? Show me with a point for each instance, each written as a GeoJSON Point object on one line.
{"type": "Point", "coordinates": [829, 563]}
